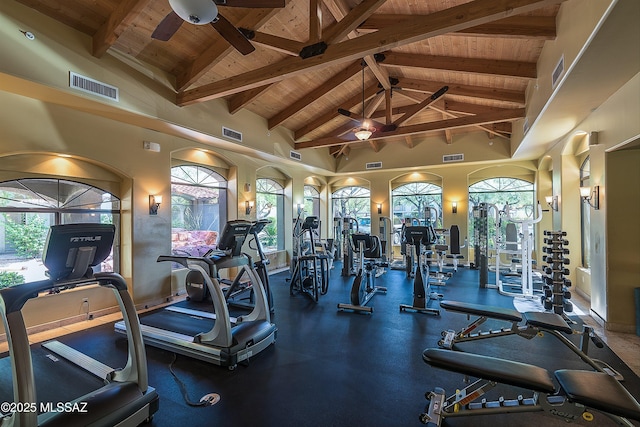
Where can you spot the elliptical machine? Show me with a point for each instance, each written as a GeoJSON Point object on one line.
{"type": "Point", "coordinates": [370, 250]}
{"type": "Point", "coordinates": [310, 273]}
{"type": "Point", "coordinates": [237, 293]}
{"type": "Point", "coordinates": [416, 236]}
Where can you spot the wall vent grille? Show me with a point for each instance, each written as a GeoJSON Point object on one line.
{"type": "Point", "coordinates": [448, 158]}
{"type": "Point", "coordinates": [373, 165]}
{"type": "Point", "coordinates": [295, 155]}
{"type": "Point", "coordinates": [557, 72]}
{"type": "Point", "coordinates": [94, 87]}
{"type": "Point", "coordinates": [232, 134]}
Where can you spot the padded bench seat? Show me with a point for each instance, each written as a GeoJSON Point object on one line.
{"type": "Point", "coordinates": [499, 313]}
{"type": "Point", "coordinates": [552, 321]}
{"type": "Point", "coordinates": [491, 368]}
{"type": "Point", "coordinates": [599, 391]}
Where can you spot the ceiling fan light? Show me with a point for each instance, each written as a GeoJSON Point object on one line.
{"type": "Point", "coordinates": [363, 134]}
{"type": "Point", "coordinates": [199, 12]}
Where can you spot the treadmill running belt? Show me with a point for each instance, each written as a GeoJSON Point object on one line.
{"type": "Point", "coordinates": [57, 380]}
{"type": "Point", "coordinates": [177, 322]}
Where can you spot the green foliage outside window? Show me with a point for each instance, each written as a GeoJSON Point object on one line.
{"type": "Point", "coordinates": [10, 278]}
{"type": "Point", "coordinates": [28, 238]}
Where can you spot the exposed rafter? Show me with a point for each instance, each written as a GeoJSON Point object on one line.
{"type": "Point", "coordinates": [413, 30]}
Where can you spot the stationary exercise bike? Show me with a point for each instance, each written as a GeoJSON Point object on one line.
{"type": "Point", "coordinates": [416, 236]}
{"type": "Point", "coordinates": [363, 288]}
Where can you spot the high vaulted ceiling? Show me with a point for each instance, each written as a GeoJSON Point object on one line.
{"type": "Point", "coordinates": [444, 67]}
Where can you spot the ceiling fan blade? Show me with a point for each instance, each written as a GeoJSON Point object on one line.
{"type": "Point", "coordinates": [270, 4]}
{"type": "Point", "coordinates": [167, 27]}
{"type": "Point", "coordinates": [231, 34]}
{"type": "Point", "coordinates": [380, 127]}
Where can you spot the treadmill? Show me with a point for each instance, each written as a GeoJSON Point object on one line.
{"type": "Point", "coordinates": [121, 397]}
{"type": "Point", "coordinates": [214, 337]}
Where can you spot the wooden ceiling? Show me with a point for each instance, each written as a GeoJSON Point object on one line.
{"type": "Point", "coordinates": [310, 55]}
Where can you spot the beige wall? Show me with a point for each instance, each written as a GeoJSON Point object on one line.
{"type": "Point", "coordinates": [613, 256]}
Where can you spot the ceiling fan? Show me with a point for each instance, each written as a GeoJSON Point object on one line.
{"type": "Point", "coordinates": [203, 12]}
{"type": "Point", "coordinates": [365, 125]}
{"type": "Point", "coordinates": [366, 128]}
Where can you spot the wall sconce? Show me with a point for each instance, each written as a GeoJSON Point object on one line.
{"type": "Point", "coordinates": [591, 196]}
{"type": "Point", "coordinates": [454, 207]}
{"type": "Point", "coordinates": [299, 208]}
{"type": "Point", "coordinates": [552, 201]}
{"type": "Point", "coordinates": [154, 204]}
{"type": "Point", "coordinates": [379, 208]}
{"type": "Point", "coordinates": [248, 206]}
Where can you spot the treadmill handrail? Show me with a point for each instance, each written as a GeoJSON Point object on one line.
{"type": "Point", "coordinates": [11, 302]}
{"type": "Point", "coordinates": [15, 297]}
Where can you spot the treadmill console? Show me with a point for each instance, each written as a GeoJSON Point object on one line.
{"type": "Point", "coordinates": [71, 249]}
{"type": "Point", "coordinates": [233, 236]}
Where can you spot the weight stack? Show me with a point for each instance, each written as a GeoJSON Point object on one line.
{"type": "Point", "coordinates": [556, 295]}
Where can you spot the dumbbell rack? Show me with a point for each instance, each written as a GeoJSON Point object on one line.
{"type": "Point", "coordinates": [556, 295]}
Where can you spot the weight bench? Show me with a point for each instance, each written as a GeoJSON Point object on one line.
{"type": "Point", "coordinates": [578, 391]}
{"type": "Point", "coordinates": [535, 324]}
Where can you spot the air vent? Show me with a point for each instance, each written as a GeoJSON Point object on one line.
{"type": "Point", "coordinates": [232, 134]}
{"type": "Point", "coordinates": [295, 155]}
{"type": "Point", "coordinates": [373, 165]}
{"type": "Point", "coordinates": [525, 126]}
{"type": "Point", "coordinates": [452, 158]}
{"type": "Point", "coordinates": [557, 72]}
{"type": "Point", "coordinates": [85, 84]}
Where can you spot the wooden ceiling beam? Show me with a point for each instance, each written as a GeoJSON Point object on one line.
{"type": "Point", "coordinates": [525, 70]}
{"type": "Point", "coordinates": [520, 27]}
{"type": "Point", "coordinates": [309, 97]}
{"type": "Point", "coordinates": [506, 95]}
{"type": "Point", "coordinates": [528, 27]}
{"type": "Point", "coordinates": [242, 99]}
{"type": "Point", "coordinates": [279, 44]}
{"type": "Point", "coordinates": [415, 29]}
{"type": "Point", "coordinates": [333, 112]}
{"type": "Point", "coordinates": [441, 125]}
{"type": "Point", "coordinates": [408, 141]}
{"type": "Point", "coordinates": [189, 73]}
{"type": "Point", "coordinates": [339, 11]}
{"type": "Point", "coordinates": [315, 21]}
{"type": "Point", "coordinates": [355, 17]}
{"type": "Point", "coordinates": [121, 18]}
{"type": "Point", "coordinates": [416, 108]}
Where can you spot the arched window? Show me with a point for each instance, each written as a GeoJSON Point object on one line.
{"type": "Point", "coordinates": [270, 205]}
{"type": "Point", "coordinates": [585, 215]}
{"type": "Point", "coordinates": [311, 201]}
{"type": "Point", "coordinates": [519, 194]}
{"type": "Point", "coordinates": [28, 207]}
{"type": "Point", "coordinates": [198, 209]}
{"type": "Point", "coordinates": [353, 202]}
{"type": "Point", "coordinates": [417, 201]}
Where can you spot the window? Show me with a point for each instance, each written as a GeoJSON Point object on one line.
{"type": "Point", "coordinates": [270, 205]}
{"type": "Point", "coordinates": [413, 200]}
{"type": "Point", "coordinates": [28, 207]}
{"type": "Point", "coordinates": [585, 215]}
{"type": "Point", "coordinates": [198, 208]}
{"type": "Point", "coordinates": [353, 202]}
{"type": "Point", "coordinates": [311, 201]}
{"type": "Point", "coordinates": [501, 191]}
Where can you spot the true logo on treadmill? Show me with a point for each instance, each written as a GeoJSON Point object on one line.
{"type": "Point", "coordinates": [85, 239]}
